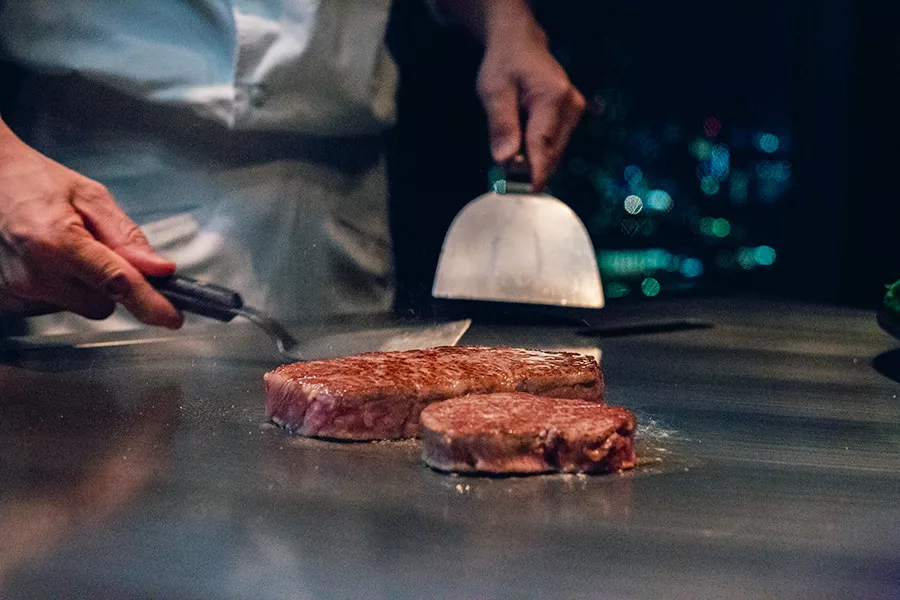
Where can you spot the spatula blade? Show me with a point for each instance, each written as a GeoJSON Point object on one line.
{"type": "Point", "coordinates": [523, 248]}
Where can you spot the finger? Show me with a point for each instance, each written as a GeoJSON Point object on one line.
{"type": "Point", "coordinates": [501, 105]}
{"type": "Point", "coordinates": [103, 270]}
{"type": "Point", "coordinates": [572, 111]}
{"type": "Point", "coordinates": [31, 293]}
{"type": "Point", "coordinates": [108, 223]}
{"type": "Point", "coordinates": [18, 292]}
{"type": "Point", "coordinates": [74, 296]}
{"type": "Point", "coordinates": [551, 122]}
{"type": "Point", "coordinates": [541, 133]}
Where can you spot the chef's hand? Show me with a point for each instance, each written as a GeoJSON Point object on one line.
{"type": "Point", "coordinates": [518, 71]}
{"type": "Point", "coordinates": [65, 243]}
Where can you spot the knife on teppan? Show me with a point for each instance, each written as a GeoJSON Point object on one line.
{"type": "Point", "coordinates": [224, 304]}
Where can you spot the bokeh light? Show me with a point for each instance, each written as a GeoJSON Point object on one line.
{"type": "Point", "coordinates": [745, 258]}
{"type": "Point", "coordinates": [691, 267]}
{"type": "Point", "coordinates": [650, 287]}
{"type": "Point", "coordinates": [719, 161]}
{"type": "Point", "coordinates": [764, 255]}
{"type": "Point", "coordinates": [720, 228]}
{"type": "Point", "coordinates": [779, 170]}
{"type": "Point", "coordinates": [723, 170]}
{"type": "Point", "coordinates": [753, 257]}
{"type": "Point", "coordinates": [624, 263]}
{"type": "Point", "coordinates": [633, 174]}
{"type": "Point", "coordinates": [659, 200]}
{"type": "Point", "coordinates": [711, 127]}
{"type": "Point", "coordinates": [616, 289]}
{"type": "Point", "coordinates": [603, 182]}
{"type": "Point", "coordinates": [709, 186]}
{"type": "Point", "coordinates": [633, 204]}
{"type": "Point", "coordinates": [768, 142]}
{"type": "Point", "coordinates": [739, 185]}
{"type": "Point", "coordinates": [700, 149]}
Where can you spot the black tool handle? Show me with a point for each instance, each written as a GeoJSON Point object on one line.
{"type": "Point", "coordinates": [194, 296]}
{"type": "Point", "coordinates": [517, 169]}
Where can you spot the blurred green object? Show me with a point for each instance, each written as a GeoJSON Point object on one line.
{"type": "Point", "coordinates": [892, 297]}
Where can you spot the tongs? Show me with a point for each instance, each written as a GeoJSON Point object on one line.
{"type": "Point", "coordinates": [224, 304]}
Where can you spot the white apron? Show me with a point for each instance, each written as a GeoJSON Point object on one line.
{"type": "Point", "coordinates": [242, 136]}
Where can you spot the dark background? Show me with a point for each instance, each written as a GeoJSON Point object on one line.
{"type": "Point", "coordinates": [819, 75]}
{"type": "Point", "coordinates": [785, 106]}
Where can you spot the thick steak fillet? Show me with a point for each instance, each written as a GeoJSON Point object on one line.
{"type": "Point", "coordinates": [379, 395]}
{"type": "Point", "coordinates": [522, 433]}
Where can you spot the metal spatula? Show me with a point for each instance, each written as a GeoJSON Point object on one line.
{"type": "Point", "coordinates": [512, 245]}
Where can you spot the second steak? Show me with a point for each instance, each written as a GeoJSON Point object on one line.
{"type": "Point", "coordinates": [522, 434]}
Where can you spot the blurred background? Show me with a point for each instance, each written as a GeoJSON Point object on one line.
{"type": "Point", "coordinates": [742, 147]}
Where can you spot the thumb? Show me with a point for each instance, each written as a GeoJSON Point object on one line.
{"type": "Point", "coordinates": [110, 226]}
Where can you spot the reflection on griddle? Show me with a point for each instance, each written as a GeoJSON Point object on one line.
{"type": "Point", "coordinates": [66, 466]}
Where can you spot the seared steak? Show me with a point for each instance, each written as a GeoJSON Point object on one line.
{"type": "Point", "coordinates": [522, 433]}
{"type": "Point", "coordinates": [379, 395]}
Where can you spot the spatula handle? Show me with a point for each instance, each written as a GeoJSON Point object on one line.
{"type": "Point", "coordinates": [207, 299]}
{"type": "Point", "coordinates": [517, 169]}
{"type": "Point", "coordinates": [517, 172]}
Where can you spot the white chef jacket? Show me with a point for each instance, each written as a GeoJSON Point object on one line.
{"type": "Point", "coordinates": [242, 135]}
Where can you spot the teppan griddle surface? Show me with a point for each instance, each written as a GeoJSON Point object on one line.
{"type": "Point", "coordinates": [141, 465]}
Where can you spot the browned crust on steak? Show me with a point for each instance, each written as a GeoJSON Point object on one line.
{"type": "Point", "coordinates": [379, 395]}
{"type": "Point", "coordinates": [516, 433]}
